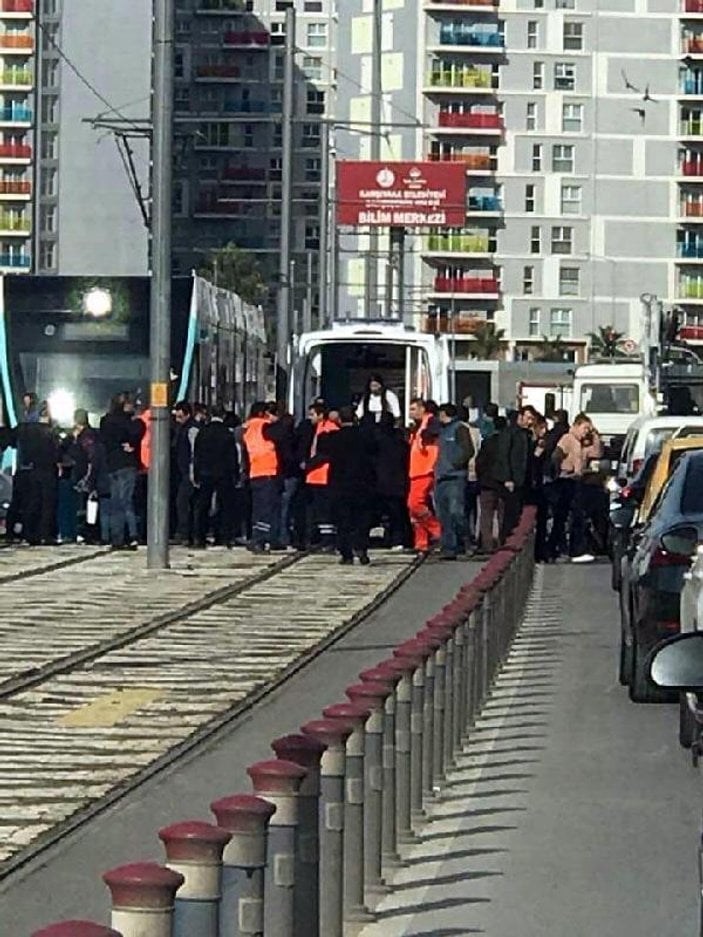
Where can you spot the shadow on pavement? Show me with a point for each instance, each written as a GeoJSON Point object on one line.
{"type": "Point", "coordinates": [451, 879]}
{"type": "Point", "coordinates": [440, 905]}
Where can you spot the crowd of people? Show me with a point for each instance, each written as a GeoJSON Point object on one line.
{"type": "Point", "coordinates": [446, 484]}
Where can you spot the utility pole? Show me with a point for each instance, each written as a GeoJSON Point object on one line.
{"type": "Point", "coordinates": [375, 150]}
{"type": "Point", "coordinates": [160, 299]}
{"type": "Point", "coordinates": [284, 286]}
{"type": "Point", "coordinates": [307, 302]}
{"type": "Point", "coordinates": [324, 264]}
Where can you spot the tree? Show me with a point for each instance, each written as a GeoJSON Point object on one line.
{"type": "Point", "coordinates": [606, 342]}
{"type": "Point", "coordinates": [232, 268]}
{"type": "Point", "coordinates": [487, 341]}
{"type": "Point", "coordinates": [552, 349]}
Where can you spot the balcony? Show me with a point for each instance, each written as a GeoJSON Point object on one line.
{"type": "Point", "coordinates": [458, 242]}
{"type": "Point", "coordinates": [247, 40]}
{"type": "Point", "coordinates": [690, 288]}
{"type": "Point", "coordinates": [692, 165]}
{"type": "Point", "coordinates": [461, 78]}
{"type": "Point", "coordinates": [476, 163]}
{"type": "Point", "coordinates": [15, 262]}
{"type": "Point", "coordinates": [454, 6]}
{"type": "Point", "coordinates": [691, 82]}
{"type": "Point", "coordinates": [19, 79]}
{"type": "Point", "coordinates": [218, 72]}
{"type": "Point", "coordinates": [17, 43]}
{"type": "Point", "coordinates": [14, 224]}
{"type": "Point", "coordinates": [247, 107]}
{"type": "Point", "coordinates": [15, 114]}
{"type": "Point", "coordinates": [462, 37]}
{"type": "Point", "coordinates": [692, 45]}
{"type": "Point", "coordinates": [692, 207]}
{"type": "Point", "coordinates": [221, 7]}
{"type": "Point", "coordinates": [16, 8]}
{"type": "Point", "coordinates": [445, 324]}
{"type": "Point", "coordinates": [488, 123]}
{"type": "Point", "coordinates": [692, 127]}
{"type": "Point", "coordinates": [244, 174]}
{"type": "Point", "coordinates": [691, 333]}
{"type": "Point", "coordinates": [15, 153]}
{"type": "Point", "coordinates": [485, 204]}
{"type": "Point", "coordinates": [692, 6]}
{"type": "Point", "coordinates": [15, 189]}
{"type": "Point", "coordinates": [487, 287]}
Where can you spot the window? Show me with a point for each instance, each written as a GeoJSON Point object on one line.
{"type": "Point", "coordinates": [248, 135]}
{"type": "Point", "coordinates": [538, 75]}
{"type": "Point", "coordinates": [533, 322]}
{"type": "Point", "coordinates": [528, 281]}
{"type": "Point", "coordinates": [313, 169]}
{"type": "Point", "coordinates": [565, 4]}
{"type": "Point", "coordinates": [278, 64]}
{"type": "Point", "coordinates": [562, 157]}
{"type": "Point", "coordinates": [572, 118]}
{"type": "Point", "coordinates": [571, 199]}
{"type": "Point", "coordinates": [181, 99]}
{"type": "Point", "coordinates": [538, 4]}
{"type": "Point", "coordinates": [50, 73]}
{"type": "Point", "coordinates": [47, 219]}
{"type": "Point", "coordinates": [213, 135]}
{"type": "Point", "coordinates": [178, 64]}
{"type": "Point", "coordinates": [50, 7]}
{"type": "Point", "coordinates": [313, 6]}
{"type": "Point", "coordinates": [564, 76]}
{"type": "Point", "coordinates": [529, 197]}
{"type": "Point", "coordinates": [573, 36]}
{"type": "Point", "coordinates": [50, 146]}
{"type": "Point", "coordinates": [311, 135]}
{"type": "Point", "coordinates": [49, 108]}
{"type": "Point", "coordinates": [48, 182]}
{"type": "Point", "coordinates": [535, 239]}
{"type": "Point", "coordinates": [569, 281]}
{"type": "Point", "coordinates": [283, 5]}
{"type": "Point", "coordinates": [312, 237]}
{"type": "Point", "coordinates": [312, 66]}
{"type": "Point", "coordinates": [562, 239]}
{"type": "Point", "coordinates": [276, 100]}
{"type": "Point", "coordinates": [532, 34]}
{"type": "Point", "coordinates": [315, 101]}
{"type": "Point", "coordinates": [531, 116]}
{"type": "Point", "coordinates": [47, 255]}
{"type": "Point", "coordinates": [49, 34]}
{"type": "Point", "coordinates": [277, 141]}
{"type": "Point", "coordinates": [537, 157]}
{"type": "Point", "coordinates": [317, 35]}
{"type": "Point", "coordinates": [560, 323]}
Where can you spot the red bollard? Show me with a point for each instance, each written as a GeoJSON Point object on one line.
{"type": "Point", "coordinates": [143, 895]}
{"type": "Point", "coordinates": [246, 819]}
{"type": "Point", "coordinates": [306, 751]}
{"type": "Point", "coordinates": [76, 929]}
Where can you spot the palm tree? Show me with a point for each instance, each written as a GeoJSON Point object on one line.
{"type": "Point", "coordinates": [487, 341]}
{"type": "Point", "coordinates": [237, 270]}
{"type": "Point", "coordinates": [552, 349]}
{"type": "Point", "coordinates": [606, 342]}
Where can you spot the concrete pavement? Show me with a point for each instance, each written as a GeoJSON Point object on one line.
{"type": "Point", "coordinates": [573, 812]}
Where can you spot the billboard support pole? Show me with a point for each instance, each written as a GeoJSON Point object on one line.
{"type": "Point", "coordinates": [398, 248]}
{"type": "Point", "coordinates": [375, 150]}
{"type": "Point", "coordinates": [283, 317]}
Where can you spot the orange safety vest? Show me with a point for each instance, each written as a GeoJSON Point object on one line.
{"type": "Point", "coordinates": [422, 457]}
{"type": "Point", "coordinates": [320, 474]}
{"type": "Point", "coordinates": [145, 451]}
{"type": "Point", "coordinates": [263, 459]}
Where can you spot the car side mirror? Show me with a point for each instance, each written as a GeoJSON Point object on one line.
{"type": "Point", "coordinates": [677, 663]}
{"type": "Point", "coordinates": [681, 542]}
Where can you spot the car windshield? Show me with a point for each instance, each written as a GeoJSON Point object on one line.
{"type": "Point", "coordinates": [656, 438]}
{"type": "Point", "coordinates": [610, 398]}
{"type": "Point", "coordinates": [692, 497]}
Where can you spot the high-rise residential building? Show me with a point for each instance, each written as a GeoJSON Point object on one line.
{"type": "Point", "coordinates": [580, 126]}
{"type": "Point", "coordinates": [228, 161]}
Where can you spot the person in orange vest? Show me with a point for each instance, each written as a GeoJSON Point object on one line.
{"type": "Point", "coordinates": [317, 472]}
{"type": "Point", "coordinates": [423, 456]}
{"type": "Point", "coordinates": [265, 481]}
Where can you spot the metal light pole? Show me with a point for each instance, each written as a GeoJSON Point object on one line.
{"type": "Point", "coordinates": [375, 150]}
{"type": "Point", "coordinates": [160, 305]}
{"type": "Point", "coordinates": [284, 287]}
{"type": "Point", "coordinates": [324, 261]}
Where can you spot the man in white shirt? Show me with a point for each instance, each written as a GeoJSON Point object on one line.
{"type": "Point", "coordinates": [377, 400]}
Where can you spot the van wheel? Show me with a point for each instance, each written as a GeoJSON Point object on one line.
{"type": "Point", "coordinates": [688, 727]}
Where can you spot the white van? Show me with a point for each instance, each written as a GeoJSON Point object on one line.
{"type": "Point", "coordinates": [648, 434]}
{"type": "Point", "coordinates": [613, 395]}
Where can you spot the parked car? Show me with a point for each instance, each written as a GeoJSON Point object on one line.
{"type": "Point", "coordinates": [653, 569]}
{"type": "Point", "coordinates": [623, 509]}
{"type": "Point", "coordinates": [646, 435]}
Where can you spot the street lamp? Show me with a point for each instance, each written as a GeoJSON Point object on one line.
{"type": "Point", "coordinates": [97, 302]}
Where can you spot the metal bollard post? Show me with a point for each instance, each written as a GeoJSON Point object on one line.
{"type": "Point", "coordinates": [306, 751]}
{"type": "Point", "coordinates": [332, 734]}
{"type": "Point", "coordinates": [246, 818]}
{"type": "Point", "coordinates": [457, 676]}
{"type": "Point", "coordinates": [403, 745]}
{"type": "Point", "coordinates": [445, 626]}
{"type": "Point", "coordinates": [465, 663]}
{"type": "Point", "coordinates": [388, 672]}
{"type": "Point", "coordinates": [194, 849]}
{"type": "Point", "coordinates": [278, 782]}
{"type": "Point", "coordinates": [355, 910]}
{"type": "Point", "coordinates": [143, 895]}
{"type": "Point", "coordinates": [76, 929]}
{"type": "Point", "coordinates": [372, 696]}
{"type": "Point", "coordinates": [437, 636]}
{"type": "Point", "coordinates": [425, 647]}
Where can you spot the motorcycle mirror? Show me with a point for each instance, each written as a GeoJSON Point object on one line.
{"type": "Point", "coordinates": [677, 663]}
{"type": "Point", "coordinates": [682, 542]}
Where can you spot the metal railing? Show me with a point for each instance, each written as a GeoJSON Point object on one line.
{"type": "Point", "coordinates": [305, 854]}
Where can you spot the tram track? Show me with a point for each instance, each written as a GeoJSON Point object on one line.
{"type": "Point", "coordinates": [200, 668]}
{"type": "Point", "coordinates": [27, 572]}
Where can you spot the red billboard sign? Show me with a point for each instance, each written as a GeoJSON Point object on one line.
{"type": "Point", "coordinates": [401, 194]}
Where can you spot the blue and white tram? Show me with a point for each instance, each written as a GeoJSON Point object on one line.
{"type": "Point", "coordinates": [336, 363]}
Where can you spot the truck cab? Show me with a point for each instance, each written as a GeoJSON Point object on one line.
{"type": "Point", "coordinates": [613, 395]}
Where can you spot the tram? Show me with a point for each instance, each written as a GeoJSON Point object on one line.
{"type": "Point", "coordinates": [336, 363]}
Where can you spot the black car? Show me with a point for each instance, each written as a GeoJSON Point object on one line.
{"type": "Point", "coordinates": [623, 508]}
{"type": "Point", "coordinates": [653, 569]}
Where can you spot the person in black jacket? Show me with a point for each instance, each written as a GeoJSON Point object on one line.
{"type": "Point", "coordinates": [490, 476]}
{"type": "Point", "coordinates": [121, 434]}
{"type": "Point", "coordinates": [392, 483]}
{"type": "Point", "coordinates": [215, 473]}
{"type": "Point", "coordinates": [184, 446]}
{"type": "Point", "coordinates": [38, 444]}
{"type": "Point", "coordinates": [350, 453]}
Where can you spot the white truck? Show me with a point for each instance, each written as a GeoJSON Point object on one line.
{"type": "Point", "coordinates": [613, 395]}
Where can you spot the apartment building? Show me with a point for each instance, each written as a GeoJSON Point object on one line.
{"type": "Point", "coordinates": [579, 122]}
{"type": "Point", "coordinates": [228, 165]}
